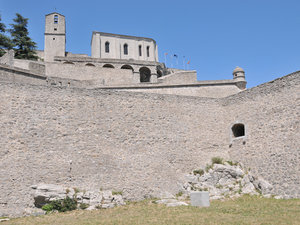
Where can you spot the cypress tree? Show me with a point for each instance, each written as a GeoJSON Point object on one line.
{"type": "Point", "coordinates": [5, 42]}
{"type": "Point", "coordinates": [24, 46]}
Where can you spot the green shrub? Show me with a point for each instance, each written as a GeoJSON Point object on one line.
{"type": "Point", "coordinates": [180, 193]}
{"type": "Point", "coordinates": [83, 205]}
{"type": "Point", "coordinates": [116, 192]}
{"type": "Point", "coordinates": [208, 167]}
{"type": "Point", "coordinates": [200, 172]}
{"type": "Point", "coordinates": [217, 160]}
{"type": "Point", "coordinates": [62, 205]}
{"type": "Point", "coordinates": [48, 208]}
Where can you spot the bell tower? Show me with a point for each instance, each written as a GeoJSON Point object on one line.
{"type": "Point", "coordinates": [55, 36]}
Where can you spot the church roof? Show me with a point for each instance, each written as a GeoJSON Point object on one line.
{"type": "Point", "coordinates": [55, 13]}
{"type": "Point", "coordinates": [123, 36]}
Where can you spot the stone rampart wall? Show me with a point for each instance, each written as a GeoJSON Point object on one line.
{"type": "Point", "coordinates": [105, 76]}
{"type": "Point", "coordinates": [142, 144]}
{"type": "Point", "coordinates": [270, 148]}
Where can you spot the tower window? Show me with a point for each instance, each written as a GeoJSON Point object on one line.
{"type": "Point", "coordinates": [238, 130]}
{"type": "Point", "coordinates": [107, 47]}
{"type": "Point", "coordinates": [148, 51]}
{"type": "Point", "coordinates": [140, 50]}
{"type": "Point", "coordinates": [126, 49]}
{"type": "Point", "coordinates": [55, 19]}
{"type": "Point", "coordinates": [55, 29]}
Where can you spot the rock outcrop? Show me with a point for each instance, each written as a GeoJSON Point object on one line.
{"type": "Point", "coordinates": [92, 199]}
{"type": "Point", "coordinates": [225, 180]}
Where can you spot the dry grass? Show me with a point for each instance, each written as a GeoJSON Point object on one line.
{"type": "Point", "coordinates": [245, 210]}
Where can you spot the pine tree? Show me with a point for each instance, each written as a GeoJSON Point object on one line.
{"type": "Point", "coordinates": [25, 47]}
{"type": "Point", "coordinates": [5, 42]}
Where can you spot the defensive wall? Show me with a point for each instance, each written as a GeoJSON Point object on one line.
{"type": "Point", "coordinates": [141, 143]}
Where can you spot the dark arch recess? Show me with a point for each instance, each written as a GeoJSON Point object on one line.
{"type": "Point", "coordinates": [145, 74]}
{"type": "Point", "coordinates": [89, 64]}
{"type": "Point", "coordinates": [127, 67]}
{"type": "Point", "coordinates": [108, 66]}
{"type": "Point", "coordinates": [238, 130]}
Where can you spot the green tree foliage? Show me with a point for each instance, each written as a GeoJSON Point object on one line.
{"type": "Point", "coordinates": [24, 46]}
{"type": "Point", "coordinates": [5, 42]}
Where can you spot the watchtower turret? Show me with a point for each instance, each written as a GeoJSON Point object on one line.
{"type": "Point", "coordinates": [239, 77]}
{"type": "Point", "coordinates": [55, 36]}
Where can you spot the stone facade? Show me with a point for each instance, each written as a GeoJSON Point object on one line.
{"type": "Point", "coordinates": [116, 46]}
{"type": "Point", "coordinates": [142, 144]}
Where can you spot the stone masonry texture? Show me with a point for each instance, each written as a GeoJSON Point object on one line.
{"type": "Point", "coordinates": [141, 143]}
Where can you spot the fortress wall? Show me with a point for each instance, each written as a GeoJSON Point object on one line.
{"type": "Point", "coordinates": [182, 77]}
{"type": "Point", "coordinates": [209, 91]}
{"type": "Point", "coordinates": [271, 114]}
{"type": "Point", "coordinates": [17, 75]}
{"type": "Point", "coordinates": [142, 144]}
{"type": "Point", "coordinates": [108, 76]}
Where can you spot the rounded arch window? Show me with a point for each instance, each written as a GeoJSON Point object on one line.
{"type": "Point", "coordinates": [238, 130]}
{"type": "Point", "coordinates": [125, 49]}
{"type": "Point", "coordinates": [107, 47]}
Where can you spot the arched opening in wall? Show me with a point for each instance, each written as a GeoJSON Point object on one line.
{"type": "Point", "coordinates": [145, 74]}
{"type": "Point", "coordinates": [70, 63]}
{"type": "Point", "coordinates": [148, 51]}
{"type": "Point", "coordinates": [159, 73]}
{"type": "Point", "coordinates": [107, 47]}
{"type": "Point", "coordinates": [108, 66]}
{"type": "Point", "coordinates": [89, 64]}
{"type": "Point", "coordinates": [55, 19]}
{"type": "Point", "coordinates": [238, 130]}
{"type": "Point", "coordinates": [127, 67]}
{"type": "Point", "coordinates": [140, 50]}
{"type": "Point", "coordinates": [125, 49]}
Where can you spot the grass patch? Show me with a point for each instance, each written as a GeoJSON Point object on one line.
{"type": "Point", "coordinates": [200, 172]}
{"type": "Point", "coordinates": [244, 210]}
{"type": "Point", "coordinates": [117, 192]}
{"type": "Point", "coordinates": [217, 160]}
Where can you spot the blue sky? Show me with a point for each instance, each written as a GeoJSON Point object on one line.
{"type": "Point", "coordinates": [261, 36]}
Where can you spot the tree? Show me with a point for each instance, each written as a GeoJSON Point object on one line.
{"type": "Point", "coordinates": [25, 47]}
{"type": "Point", "coordinates": [5, 42]}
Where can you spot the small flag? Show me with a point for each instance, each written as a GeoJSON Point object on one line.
{"type": "Point", "coordinates": [189, 62]}
{"type": "Point", "coordinates": [175, 55]}
{"type": "Point", "coordinates": [166, 53]}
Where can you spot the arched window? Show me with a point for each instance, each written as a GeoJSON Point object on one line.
{"type": "Point", "coordinates": [107, 47]}
{"type": "Point", "coordinates": [140, 50]}
{"type": "Point", "coordinates": [125, 49]}
{"type": "Point", "coordinates": [238, 130]}
{"type": "Point", "coordinates": [55, 19]}
{"type": "Point", "coordinates": [148, 51]}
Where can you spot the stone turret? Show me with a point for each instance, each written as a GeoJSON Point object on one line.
{"type": "Point", "coordinates": [55, 36]}
{"type": "Point", "coordinates": [239, 77]}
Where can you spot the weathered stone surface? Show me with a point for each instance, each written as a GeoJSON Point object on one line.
{"type": "Point", "coordinates": [142, 144]}
{"type": "Point", "coordinates": [45, 193]}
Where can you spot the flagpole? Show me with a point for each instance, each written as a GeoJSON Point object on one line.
{"type": "Point", "coordinates": [171, 56]}
{"type": "Point", "coordinates": [165, 59]}
{"type": "Point", "coordinates": [183, 62]}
